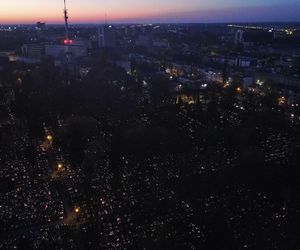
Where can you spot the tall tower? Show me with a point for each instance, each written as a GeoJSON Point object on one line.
{"type": "Point", "coordinates": [67, 40]}
{"type": "Point", "coordinates": [69, 67]}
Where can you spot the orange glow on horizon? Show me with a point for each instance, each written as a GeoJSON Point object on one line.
{"type": "Point", "coordinates": [9, 14]}
{"type": "Point", "coordinates": [29, 19]}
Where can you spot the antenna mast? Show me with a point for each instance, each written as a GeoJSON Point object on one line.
{"type": "Point", "coordinates": [66, 17]}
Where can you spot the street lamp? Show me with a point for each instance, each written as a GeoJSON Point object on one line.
{"type": "Point", "coordinates": [50, 138]}
{"type": "Point", "coordinates": [60, 166]}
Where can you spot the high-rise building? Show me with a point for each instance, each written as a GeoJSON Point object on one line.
{"type": "Point", "coordinates": [239, 36]}
{"type": "Point", "coordinates": [106, 36]}
{"type": "Point", "coordinates": [35, 50]}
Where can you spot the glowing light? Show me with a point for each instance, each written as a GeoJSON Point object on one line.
{"type": "Point", "coordinates": [60, 166]}
{"type": "Point", "coordinates": [281, 101]}
{"type": "Point", "coordinates": [77, 210]}
{"type": "Point", "coordinates": [226, 85]}
{"type": "Point", "coordinates": [19, 80]}
{"type": "Point", "coordinates": [259, 82]}
{"type": "Point", "coordinates": [289, 32]}
{"type": "Point", "coordinates": [67, 41]}
{"type": "Point", "coordinates": [238, 89]}
{"type": "Point", "coordinates": [50, 138]}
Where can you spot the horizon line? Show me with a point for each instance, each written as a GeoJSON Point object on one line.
{"type": "Point", "coordinates": [149, 23]}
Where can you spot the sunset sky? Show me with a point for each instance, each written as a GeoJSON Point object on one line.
{"type": "Point", "coordinates": [93, 11]}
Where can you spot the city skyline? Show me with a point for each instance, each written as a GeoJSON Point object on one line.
{"type": "Point", "coordinates": [132, 11]}
{"type": "Point", "coordinates": [153, 125]}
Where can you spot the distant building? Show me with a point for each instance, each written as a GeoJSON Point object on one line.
{"type": "Point", "coordinates": [40, 26]}
{"type": "Point", "coordinates": [239, 36]}
{"type": "Point", "coordinates": [24, 59]}
{"type": "Point", "coordinates": [144, 40]}
{"type": "Point", "coordinates": [35, 50]}
{"type": "Point", "coordinates": [3, 62]}
{"type": "Point", "coordinates": [60, 50]}
{"type": "Point", "coordinates": [55, 50]}
{"type": "Point", "coordinates": [212, 75]}
{"type": "Point", "coordinates": [247, 82]}
{"type": "Point", "coordinates": [243, 62]}
{"type": "Point", "coordinates": [126, 65]}
{"type": "Point", "coordinates": [82, 42]}
{"type": "Point", "coordinates": [106, 37]}
{"type": "Point", "coordinates": [257, 37]}
{"type": "Point", "coordinates": [161, 44]}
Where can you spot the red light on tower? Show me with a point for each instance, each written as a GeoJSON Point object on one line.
{"type": "Point", "coordinates": [68, 41]}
